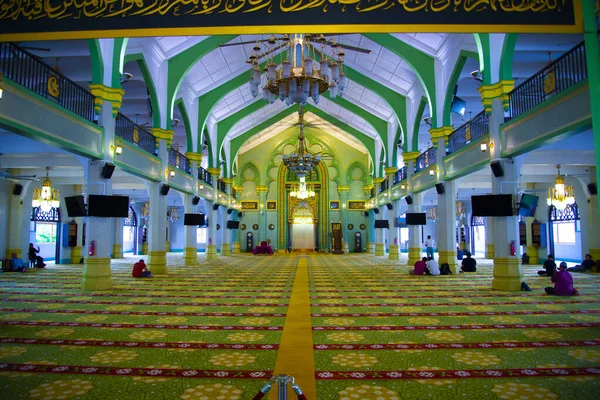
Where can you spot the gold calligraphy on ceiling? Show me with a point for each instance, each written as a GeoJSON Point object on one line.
{"type": "Point", "coordinates": [20, 10]}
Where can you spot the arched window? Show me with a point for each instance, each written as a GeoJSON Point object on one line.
{"type": "Point", "coordinates": [563, 225]}
{"type": "Point", "coordinates": [45, 224]}
{"type": "Point", "coordinates": [131, 219]}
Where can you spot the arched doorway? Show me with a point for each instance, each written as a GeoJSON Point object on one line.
{"type": "Point", "coordinates": [44, 232]}
{"type": "Point", "coordinates": [130, 232]}
{"type": "Point", "coordinates": [564, 232]}
{"type": "Point", "coordinates": [304, 232]}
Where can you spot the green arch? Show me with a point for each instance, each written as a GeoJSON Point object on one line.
{"type": "Point", "coordinates": [508, 52]}
{"type": "Point", "coordinates": [97, 64]}
{"type": "Point", "coordinates": [483, 49]}
{"type": "Point", "coordinates": [186, 122]}
{"type": "Point", "coordinates": [252, 166]}
{"type": "Point", "coordinates": [141, 62]}
{"type": "Point", "coordinates": [417, 124]}
{"type": "Point", "coordinates": [458, 67]}
{"type": "Point", "coordinates": [120, 44]}
{"type": "Point", "coordinates": [361, 166]}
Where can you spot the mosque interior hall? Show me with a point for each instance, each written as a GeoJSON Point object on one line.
{"type": "Point", "coordinates": [280, 189]}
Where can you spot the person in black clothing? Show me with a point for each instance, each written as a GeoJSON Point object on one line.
{"type": "Point", "coordinates": [586, 264]}
{"type": "Point", "coordinates": [468, 264]}
{"type": "Point", "coordinates": [549, 267]}
{"type": "Point", "coordinates": [39, 261]}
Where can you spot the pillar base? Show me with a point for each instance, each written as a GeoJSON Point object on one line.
{"type": "Point", "coordinates": [379, 249]}
{"type": "Point", "coordinates": [9, 253]}
{"type": "Point", "coordinates": [371, 247]}
{"type": "Point", "coordinates": [345, 248]}
{"type": "Point", "coordinates": [190, 256]}
{"type": "Point", "coordinates": [76, 254]}
{"type": "Point", "coordinates": [448, 257]}
{"type": "Point", "coordinates": [236, 248]}
{"type": "Point", "coordinates": [414, 255]}
{"type": "Point", "coordinates": [211, 252]}
{"type": "Point", "coordinates": [463, 246]}
{"type": "Point", "coordinates": [168, 246]}
{"type": "Point", "coordinates": [534, 256]}
{"type": "Point", "coordinates": [144, 249]}
{"type": "Point", "coordinates": [490, 253]}
{"type": "Point", "coordinates": [595, 253]}
{"type": "Point", "coordinates": [157, 262]}
{"type": "Point", "coordinates": [96, 274]}
{"type": "Point", "coordinates": [226, 249]}
{"type": "Point", "coordinates": [508, 274]}
{"type": "Point", "coordinates": [117, 251]}
{"type": "Point", "coordinates": [394, 252]}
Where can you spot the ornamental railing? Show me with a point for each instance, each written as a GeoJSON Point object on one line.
{"type": "Point", "coordinates": [222, 186]}
{"type": "Point", "coordinates": [383, 186]}
{"type": "Point", "coordinates": [556, 77]}
{"type": "Point", "coordinates": [425, 159]}
{"type": "Point", "coordinates": [233, 193]}
{"type": "Point", "coordinates": [473, 129]}
{"type": "Point", "coordinates": [135, 134]}
{"type": "Point", "coordinates": [204, 176]}
{"type": "Point", "coordinates": [372, 194]}
{"type": "Point", "coordinates": [400, 175]}
{"type": "Point", "coordinates": [31, 72]}
{"type": "Point", "coordinates": [179, 161]}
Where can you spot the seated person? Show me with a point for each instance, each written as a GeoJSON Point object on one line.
{"type": "Point", "coordinates": [264, 248]}
{"type": "Point", "coordinates": [140, 270]}
{"type": "Point", "coordinates": [459, 253]}
{"type": "Point", "coordinates": [468, 264]}
{"type": "Point", "coordinates": [18, 264]}
{"type": "Point", "coordinates": [563, 282]}
{"type": "Point", "coordinates": [549, 267]}
{"type": "Point", "coordinates": [433, 267]}
{"type": "Point", "coordinates": [524, 259]}
{"type": "Point", "coordinates": [585, 265]}
{"type": "Point", "coordinates": [39, 261]}
{"type": "Point", "coordinates": [419, 267]}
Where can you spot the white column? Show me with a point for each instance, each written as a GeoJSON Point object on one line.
{"type": "Point", "coordinates": [446, 226]}
{"type": "Point", "coordinates": [190, 251]}
{"type": "Point", "coordinates": [415, 240]}
{"type": "Point", "coordinates": [117, 250]}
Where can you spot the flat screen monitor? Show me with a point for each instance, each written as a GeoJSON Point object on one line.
{"type": "Point", "coordinates": [528, 205]}
{"type": "Point", "coordinates": [193, 219]}
{"type": "Point", "coordinates": [416, 219]}
{"type": "Point", "coordinates": [382, 223]}
{"type": "Point", "coordinates": [400, 222]}
{"type": "Point", "coordinates": [108, 206]}
{"type": "Point", "coordinates": [75, 206]}
{"type": "Point", "coordinates": [233, 224]}
{"type": "Point", "coordinates": [458, 106]}
{"type": "Point", "coordinates": [492, 205]}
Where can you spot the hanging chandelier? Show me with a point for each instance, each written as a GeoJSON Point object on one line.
{"type": "Point", "coordinates": [302, 191]}
{"type": "Point", "coordinates": [561, 195]}
{"type": "Point", "coordinates": [460, 209]}
{"type": "Point", "coordinates": [299, 76]}
{"type": "Point", "coordinates": [301, 162]}
{"type": "Point", "coordinates": [173, 214]}
{"type": "Point", "coordinates": [432, 214]}
{"type": "Point", "coordinates": [46, 197]}
{"type": "Point", "coordinates": [146, 210]}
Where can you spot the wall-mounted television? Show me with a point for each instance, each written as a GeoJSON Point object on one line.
{"type": "Point", "coordinates": [75, 206]}
{"type": "Point", "coordinates": [233, 224]}
{"type": "Point", "coordinates": [382, 224]}
{"type": "Point", "coordinates": [108, 206]}
{"type": "Point", "coordinates": [492, 205]}
{"type": "Point", "coordinates": [193, 219]}
{"type": "Point", "coordinates": [528, 205]}
{"type": "Point", "coordinates": [416, 219]}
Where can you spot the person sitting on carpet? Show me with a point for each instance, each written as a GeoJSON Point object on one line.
{"type": "Point", "coordinates": [433, 267]}
{"type": "Point", "coordinates": [585, 265]}
{"type": "Point", "coordinates": [563, 282]}
{"type": "Point", "coordinates": [18, 264]}
{"type": "Point", "coordinates": [468, 264]}
{"type": "Point", "coordinates": [140, 270]}
{"type": "Point", "coordinates": [419, 267]}
{"type": "Point", "coordinates": [549, 267]}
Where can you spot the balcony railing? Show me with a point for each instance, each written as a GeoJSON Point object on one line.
{"type": "Point", "coordinates": [556, 77]}
{"type": "Point", "coordinates": [473, 129]}
{"type": "Point", "coordinates": [400, 175]}
{"type": "Point", "coordinates": [204, 176]}
{"type": "Point", "coordinates": [372, 194]}
{"type": "Point", "coordinates": [383, 186]}
{"type": "Point", "coordinates": [29, 71]}
{"type": "Point", "coordinates": [233, 193]}
{"type": "Point", "coordinates": [179, 161]}
{"type": "Point", "coordinates": [135, 134]}
{"type": "Point", "coordinates": [425, 159]}
{"type": "Point", "coordinates": [222, 186]}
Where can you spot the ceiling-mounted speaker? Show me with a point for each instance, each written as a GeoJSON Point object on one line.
{"type": "Point", "coordinates": [409, 200]}
{"type": "Point", "coordinates": [229, 211]}
{"type": "Point", "coordinates": [497, 169]}
{"type": "Point", "coordinates": [107, 170]}
{"type": "Point", "coordinates": [215, 207]}
{"type": "Point", "coordinates": [593, 188]}
{"type": "Point", "coordinates": [376, 210]}
{"type": "Point", "coordinates": [366, 213]}
{"type": "Point", "coordinates": [196, 200]}
{"type": "Point", "coordinates": [18, 189]}
{"type": "Point", "coordinates": [439, 188]}
{"type": "Point", "coordinates": [389, 206]}
{"type": "Point", "coordinates": [164, 189]}
{"type": "Point", "coordinates": [240, 214]}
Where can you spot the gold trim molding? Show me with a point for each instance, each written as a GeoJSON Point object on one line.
{"type": "Point", "coordinates": [194, 156]}
{"type": "Point", "coordinates": [497, 90]}
{"type": "Point", "coordinates": [163, 134]}
{"type": "Point", "coordinates": [215, 172]}
{"type": "Point", "coordinates": [390, 170]}
{"type": "Point", "coordinates": [105, 93]}
{"type": "Point", "coordinates": [410, 156]}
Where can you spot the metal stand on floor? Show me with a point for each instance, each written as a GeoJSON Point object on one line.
{"type": "Point", "coordinates": [282, 381]}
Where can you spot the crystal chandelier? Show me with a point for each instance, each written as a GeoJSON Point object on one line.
{"type": "Point", "coordinates": [460, 209]}
{"type": "Point", "coordinates": [561, 195]}
{"type": "Point", "coordinates": [173, 214]}
{"type": "Point", "coordinates": [302, 191]}
{"type": "Point", "coordinates": [432, 214]}
{"type": "Point", "coordinates": [146, 210]}
{"type": "Point", "coordinates": [301, 162]}
{"type": "Point", "coordinates": [296, 80]}
{"type": "Point", "coordinates": [46, 198]}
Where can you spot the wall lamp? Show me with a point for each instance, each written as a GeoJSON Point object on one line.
{"type": "Point", "coordinates": [172, 173]}
{"type": "Point", "coordinates": [1, 74]}
{"type": "Point", "coordinates": [117, 147]}
{"type": "Point", "coordinates": [483, 146]}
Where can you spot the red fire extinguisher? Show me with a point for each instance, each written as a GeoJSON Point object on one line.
{"type": "Point", "coordinates": [92, 250]}
{"type": "Point", "coordinates": [513, 248]}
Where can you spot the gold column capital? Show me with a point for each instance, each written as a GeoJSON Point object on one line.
{"type": "Point", "coordinates": [440, 133]}
{"type": "Point", "coordinates": [163, 134]}
{"type": "Point", "coordinates": [215, 172]}
{"type": "Point", "coordinates": [343, 189]}
{"type": "Point", "coordinates": [228, 181]}
{"type": "Point", "coordinates": [410, 156]}
{"type": "Point", "coordinates": [377, 181]}
{"type": "Point", "coordinates": [238, 188]}
{"type": "Point", "coordinates": [104, 93]}
{"type": "Point", "coordinates": [262, 188]}
{"type": "Point", "coordinates": [390, 170]}
{"type": "Point", "coordinates": [494, 91]}
{"type": "Point", "coordinates": [194, 156]}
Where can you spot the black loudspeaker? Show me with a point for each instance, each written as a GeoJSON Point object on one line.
{"type": "Point", "coordinates": [592, 188]}
{"type": "Point", "coordinates": [164, 189]}
{"type": "Point", "coordinates": [389, 206]}
{"type": "Point", "coordinates": [215, 207]}
{"type": "Point", "coordinates": [107, 170]}
{"type": "Point", "coordinates": [229, 211]}
{"type": "Point", "coordinates": [439, 188]}
{"type": "Point", "coordinates": [497, 168]}
{"type": "Point", "coordinates": [366, 213]}
{"type": "Point", "coordinates": [409, 200]}
{"type": "Point", "coordinates": [376, 210]}
{"type": "Point", "coordinates": [240, 214]}
{"type": "Point", "coordinates": [18, 189]}
{"type": "Point", "coordinates": [196, 200]}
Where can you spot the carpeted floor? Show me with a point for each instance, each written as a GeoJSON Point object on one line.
{"type": "Point", "coordinates": [218, 331]}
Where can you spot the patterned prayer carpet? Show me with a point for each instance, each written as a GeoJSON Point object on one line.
{"type": "Point", "coordinates": [215, 331]}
